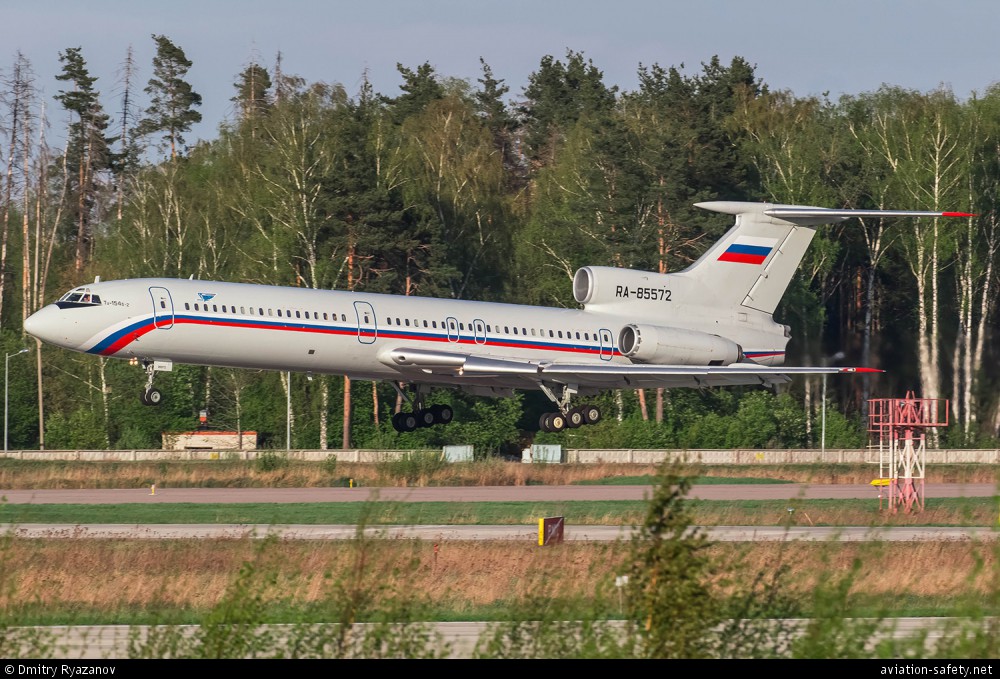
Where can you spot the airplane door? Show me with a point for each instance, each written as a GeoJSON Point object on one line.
{"type": "Point", "coordinates": [479, 331]}
{"type": "Point", "coordinates": [452, 325]}
{"type": "Point", "coordinates": [367, 327]}
{"type": "Point", "coordinates": [607, 345]}
{"type": "Point", "coordinates": [163, 308]}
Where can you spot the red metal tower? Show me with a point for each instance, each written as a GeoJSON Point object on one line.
{"type": "Point", "coordinates": [901, 427]}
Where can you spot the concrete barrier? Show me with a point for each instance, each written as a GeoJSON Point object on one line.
{"type": "Point", "coordinates": [570, 455]}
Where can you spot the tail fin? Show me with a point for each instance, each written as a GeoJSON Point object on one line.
{"type": "Point", "coordinates": [754, 262]}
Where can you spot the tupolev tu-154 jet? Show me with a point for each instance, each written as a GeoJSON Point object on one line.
{"type": "Point", "coordinates": [708, 325]}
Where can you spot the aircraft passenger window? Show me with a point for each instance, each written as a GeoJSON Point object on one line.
{"type": "Point", "coordinates": [532, 332]}
{"type": "Point", "coordinates": [279, 313]}
{"type": "Point", "coordinates": [550, 334]}
{"type": "Point", "coordinates": [324, 316]}
{"type": "Point", "coordinates": [307, 314]}
{"type": "Point", "coordinates": [488, 328]}
{"type": "Point", "coordinates": [506, 330]}
{"type": "Point", "coordinates": [271, 312]}
{"type": "Point", "coordinates": [560, 334]}
{"type": "Point", "coordinates": [343, 317]}
{"type": "Point", "coordinates": [187, 307]}
{"type": "Point", "coordinates": [260, 312]}
{"type": "Point", "coordinates": [163, 305]}
{"type": "Point", "coordinates": [586, 335]}
{"type": "Point", "coordinates": [524, 331]}
{"type": "Point", "coordinates": [407, 322]}
{"type": "Point", "coordinates": [223, 308]}
{"type": "Point", "coordinates": [196, 306]}
{"type": "Point", "coordinates": [425, 324]}
{"type": "Point", "coordinates": [298, 314]}
{"type": "Point", "coordinates": [397, 322]}
{"type": "Point", "coordinates": [243, 310]}
{"type": "Point", "coordinates": [578, 335]}
{"type": "Point", "coordinates": [434, 324]}
{"type": "Point", "coordinates": [515, 330]}
{"type": "Point", "coordinates": [214, 307]}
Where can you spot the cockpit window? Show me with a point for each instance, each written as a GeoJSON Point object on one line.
{"type": "Point", "coordinates": [79, 297]}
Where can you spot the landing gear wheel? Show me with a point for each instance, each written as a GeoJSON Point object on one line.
{"type": "Point", "coordinates": [591, 414]}
{"type": "Point", "coordinates": [557, 422]}
{"type": "Point", "coordinates": [398, 424]}
{"type": "Point", "coordinates": [574, 418]}
{"type": "Point", "coordinates": [543, 422]}
{"type": "Point", "coordinates": [442, 414]}
{"type": "Point", "coordinates": [426, 418]}
{"type": "Point", "coordinates": [152, 397]}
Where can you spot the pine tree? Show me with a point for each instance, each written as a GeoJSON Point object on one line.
{"type": "Point", "coordinates": [252, 92]}
{"type": "Point", "coordinates": [171, 111]}
{"type": "Point", "coordinates": [88, 151]}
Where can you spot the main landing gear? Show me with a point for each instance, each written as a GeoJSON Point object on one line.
{"type": "Point", "coordinates": [566, 417]}
{"type": "Point", "coordinates": [420, 416]}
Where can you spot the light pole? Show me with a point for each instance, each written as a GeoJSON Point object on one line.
{"type": "Point", "coordinates": [6, 381]}
{"type": "Point", "coordinates": [822, 436]}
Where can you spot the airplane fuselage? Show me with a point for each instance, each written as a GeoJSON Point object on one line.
{"type": "Point", "coordinates": [342, 332]}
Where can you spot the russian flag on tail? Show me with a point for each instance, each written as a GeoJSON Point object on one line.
{"type": "Point", "coordinates": [748, 250]}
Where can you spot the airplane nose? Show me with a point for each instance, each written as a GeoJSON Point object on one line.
{"type": "Point", "coordinates": [32, 325]}
{"type": "Point", "coordinates": [45, 325]}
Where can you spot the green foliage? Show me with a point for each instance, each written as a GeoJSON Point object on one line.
{"type": "Point", "coordinates": [412, 466]}
{"type": "Point", "coordinates": [668, 595]}
{"type": "Point", "coordinates": [270, 461]}
{"type": "Point", "coordinates": [172, 99]}
{"type": "Point", "coordinates": [366, 619]}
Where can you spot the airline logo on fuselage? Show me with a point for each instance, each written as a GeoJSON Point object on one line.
{"type": "Point", "coordinates": [206, 296]}
{"type": "Point", "coordinates": [748, 250]}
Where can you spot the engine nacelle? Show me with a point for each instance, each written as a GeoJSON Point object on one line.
{"type": "Point", "coordinates": [605, 284]}
{"type": "Point", "coordinates": [676, 346]}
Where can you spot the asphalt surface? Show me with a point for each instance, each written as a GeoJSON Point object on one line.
{"type": "Point", "coordinates": [476, 494]}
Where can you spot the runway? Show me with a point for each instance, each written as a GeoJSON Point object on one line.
{"type": "Point", "coordinates": [547, 494]}
{"type": "Point", "coordinates": [518, 533]}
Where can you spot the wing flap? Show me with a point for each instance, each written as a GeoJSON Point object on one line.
{"type": "Point", "coordinates": [427, 363]}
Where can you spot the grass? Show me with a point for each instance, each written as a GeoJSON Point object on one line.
{"type": "Point", "coordinates": [40, 474]}
{"type": "Point", "coordinates": [937, 512]}
{"type": "Point", "coordinates": [131, 581]}
{"type": "Point", "coordinates": [141, 581]}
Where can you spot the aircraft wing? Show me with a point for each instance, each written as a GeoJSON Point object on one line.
{"type": "Point", "coordinates": [423, 364]}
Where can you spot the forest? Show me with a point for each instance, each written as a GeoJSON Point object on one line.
{"type": "Point", "coordinates": [468, 190]}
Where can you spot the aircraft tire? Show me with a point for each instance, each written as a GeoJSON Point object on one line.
{"type": "Point", "coordinates": [426, 417]}
{"type": "Point", "coordinates": [574, 418]}
{"type": "Point", "coordinates": [557, 422]}
{"type": "Point", "coordinates": [142, 397]}
{"type": "Point", "coordinates": [397, 422]}
{"type": "Point", "coordinates": [153, 397]}
{"type": "Point", "coordinates": [591, 414]}
{"type": "Point", "coordinates": [442, 414]}
{"type": "Point", "coordinates": [544, 422]}
{"type": "Point", "coordinates": [409, 421]}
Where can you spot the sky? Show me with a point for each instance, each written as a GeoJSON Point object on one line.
{"type": "Point", "coordinates": [810, 47]}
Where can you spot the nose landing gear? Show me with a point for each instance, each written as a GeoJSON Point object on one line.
{"type": "Point", "coordinates": [149, 395]}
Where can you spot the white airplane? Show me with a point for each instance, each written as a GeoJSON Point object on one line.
{"type": "Point", "coordinates": [708, 325]}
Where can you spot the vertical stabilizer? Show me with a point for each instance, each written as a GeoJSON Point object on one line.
{"type": "Point", "coordinates": [754, 262]}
